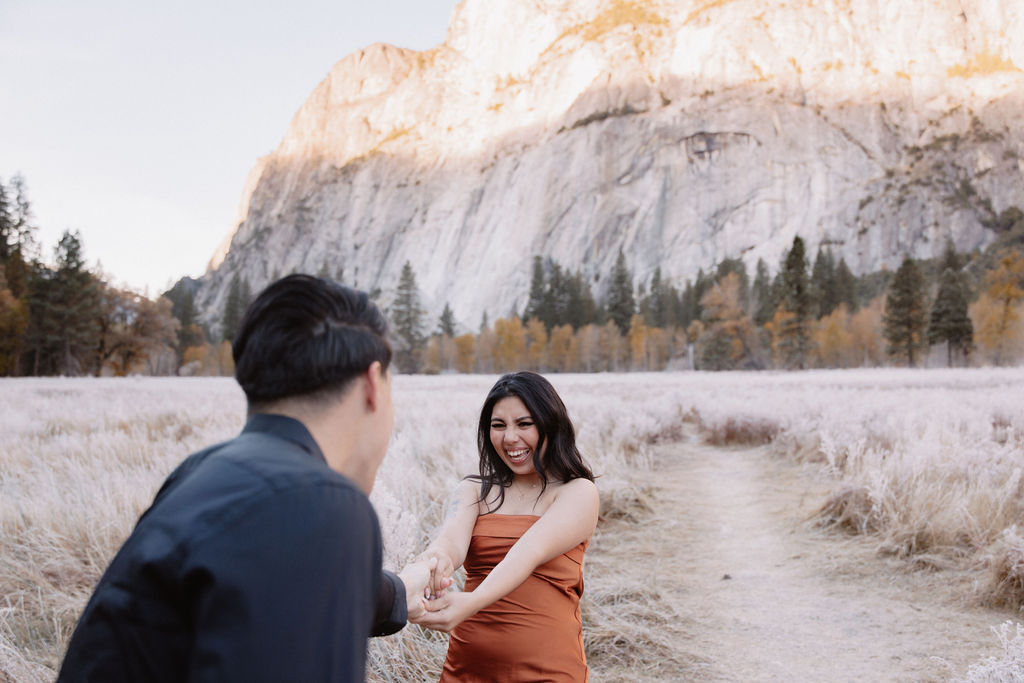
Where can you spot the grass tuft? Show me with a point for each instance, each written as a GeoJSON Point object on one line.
{"type": "Point", "coordinates": [850, 509]}
{"type": "Point", "coordinates": [1006, 571]}
{"type": "Point", "coordinates": [741, 431]}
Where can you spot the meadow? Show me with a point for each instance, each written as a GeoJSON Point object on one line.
{"type": "Point", "coordinates": [926, 464]}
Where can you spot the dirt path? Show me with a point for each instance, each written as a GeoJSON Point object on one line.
{"type": "Point", "coordinates": [763, 596]}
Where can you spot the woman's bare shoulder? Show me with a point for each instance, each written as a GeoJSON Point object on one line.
{"type": "Point", "coordinates": [581, 489]}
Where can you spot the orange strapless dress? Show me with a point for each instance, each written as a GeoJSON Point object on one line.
{"type": "Point", "coordinates": [534, 633]}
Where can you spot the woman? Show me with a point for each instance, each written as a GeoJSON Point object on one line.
{"type": "Point", "coordinates": [521, 527]}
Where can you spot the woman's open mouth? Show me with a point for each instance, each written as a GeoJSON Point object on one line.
{"type": "Point", "coordinates": [519, 456]}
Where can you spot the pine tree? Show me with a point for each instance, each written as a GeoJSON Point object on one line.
{"type": "Point", "coordinates": [64, 311]}
{"type": "Point", "coordinates": [555, 308]}
{"type": "Point", "coordinates": [233, 309]}
{"type": "Point", "coordinates": [950, 259]}
{"type": "Point", "coordinates": [185, 312]}
{"type": "Point", "coordinates": [580, 305]}
{"type": "Point", "coordinates": [17, 240]}
{"type": "Point", "coordinates": [23, 228]}
{"type": "Point", "coordinates": [6, 225]}
{"type": "Point", "coordinates": [846, 286]}
{"type": "Point", "coordinates": [655, 307]}
{"type": "Point", "coordinates": [949, 321]}
{"type": "Point", "coordinates": [446, 324]}
{"type": "Point", "coordinates": [795, 342]}
{"type": "Point", "coordinates": [407, 317]}
{"type": "Point", "coordinates": [760, 294]}
{"type": "Point", "coordinates": [823, 284]}
{"type": "Point", "coordinates": [688, 305]}
{"type": "Point", "coordinates": [621, 303]}
{"type": "Point", "coordinates": [535, 302]}
{"type": "Point", "coordinates": [905, 320]}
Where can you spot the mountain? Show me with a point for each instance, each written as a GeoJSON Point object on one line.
{"type": "Point", "coordinates": [681, 133]}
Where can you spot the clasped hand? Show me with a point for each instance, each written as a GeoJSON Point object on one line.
{"type": "Point", "coordinates": [430, 603]}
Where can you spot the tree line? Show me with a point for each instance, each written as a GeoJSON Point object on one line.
{"type": "Point", "coordinates": [806, 315]}
{"type": "Point", "coordinates": [61, 318]}
{"type": "Point", "coordinates": [58, 317]}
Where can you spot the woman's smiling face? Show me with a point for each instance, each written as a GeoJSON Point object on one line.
{"type": "Point", "coordinates": [514, 434]}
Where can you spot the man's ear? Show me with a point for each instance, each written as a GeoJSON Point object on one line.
{"type": "Point", "coordinates": [373, 380]}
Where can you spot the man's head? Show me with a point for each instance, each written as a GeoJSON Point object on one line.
{"type": "Point", "coordinates": [306, 338]}
{"type": "Point", "coordinates": [314, 350]}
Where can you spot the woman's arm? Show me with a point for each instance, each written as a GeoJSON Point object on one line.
{"type": "Point", "coordinates": [569, 521]}
{"type": "Point", "coordinates": [452, 542]}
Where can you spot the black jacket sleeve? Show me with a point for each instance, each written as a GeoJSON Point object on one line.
{"type": "Point", "coordinates": [392, 612]}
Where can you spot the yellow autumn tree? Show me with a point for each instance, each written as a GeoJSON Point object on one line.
{"type": "Point", "coordinates": [536, 345]}
{"type": "Point", "coordinates": [587, 349]}
{"type": "Point", "coordinates": [465, 353]}
{"type": "Point", "coordinates": [432, 356]}
{"type": "Point", "coordinates": [637, 336]}
{"type": "Point", "coordinates": [611, 347]}
{"type": "Point", "coordinates": [225, 360]}
{"type": "Point", "coordinates": [658, 348]}
{"type": "Point", "coordinates": [729, 339]}
{"type": "Point", "coordinates": [866, 330]}
{"type": "Point", "coordinates": [447, 345]}
{"type": "Point", "coordinates": [560, 348]}
{"type": "Point", "coordinates": [833, 342]}
{"type": "Point", "coordinates": [486, 348]}
{"type": "Point", "coordinates": [776, 327]}
{"type": "Point", "coordinates": [996, 315]}
{"type": "Point", "coordinates": [510, 344]}
{"type": "Point", "coordinates": [204, 360]}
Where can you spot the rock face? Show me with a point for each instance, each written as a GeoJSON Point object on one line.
{"type": "Point", "coordinates": [679, 132]}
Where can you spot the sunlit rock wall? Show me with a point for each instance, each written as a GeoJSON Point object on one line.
{"type": "Point", "coordinates": [681, 133]}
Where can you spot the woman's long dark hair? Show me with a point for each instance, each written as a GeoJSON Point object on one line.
{"type": "Point", "coordinates": [562, 460]}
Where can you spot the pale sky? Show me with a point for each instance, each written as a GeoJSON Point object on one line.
{"type": "Point", "coordinates": [136, 122]}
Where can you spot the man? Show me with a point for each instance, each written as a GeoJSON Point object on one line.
{"type": "Point", "coordinates": [260, 558]}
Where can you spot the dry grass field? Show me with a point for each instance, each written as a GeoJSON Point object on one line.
{"type": "Point", "coordinates": [924, 466]}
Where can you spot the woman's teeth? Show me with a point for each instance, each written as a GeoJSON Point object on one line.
{"type": "Point", "coordinates": [518, 455]}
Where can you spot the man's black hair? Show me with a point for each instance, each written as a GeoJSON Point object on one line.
{"type": "Point", "coordinates": [308, 337]}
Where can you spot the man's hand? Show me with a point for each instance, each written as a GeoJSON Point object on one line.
{"type": "Point", "coordinates": [416, 577]}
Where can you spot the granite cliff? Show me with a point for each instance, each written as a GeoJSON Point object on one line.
{"type": "Point", "coordinates": [679, 132]}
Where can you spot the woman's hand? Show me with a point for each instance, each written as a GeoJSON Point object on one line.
{"type": "Point", "coordinates": [447, 611]}
{"type": "Point", "coordinates": [440, 574]}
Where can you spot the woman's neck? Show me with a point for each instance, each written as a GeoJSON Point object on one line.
{"type": "Point", "coordinates": [526, 480]}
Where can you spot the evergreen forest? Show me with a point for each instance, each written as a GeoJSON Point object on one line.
{"type": "Point", "coordinates": [59, 317]}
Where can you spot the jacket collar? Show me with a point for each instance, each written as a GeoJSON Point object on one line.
{"type": "Point", "coordinates": [284, 427]}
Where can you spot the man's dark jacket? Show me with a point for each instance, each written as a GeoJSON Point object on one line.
{"type": "Point", "coordinates": [256, 562]}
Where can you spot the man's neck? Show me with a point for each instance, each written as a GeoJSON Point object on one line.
{"type": "Point", "coordinates": [332, 428]}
